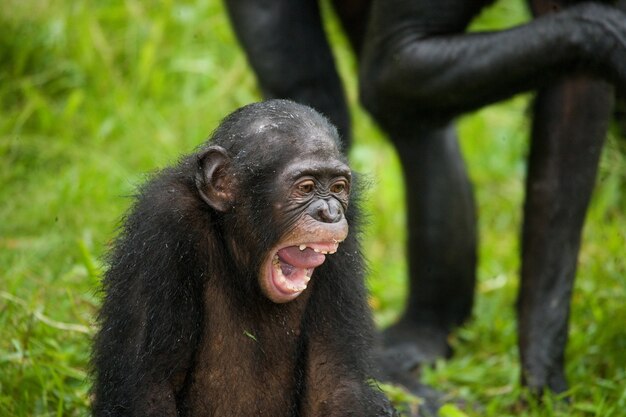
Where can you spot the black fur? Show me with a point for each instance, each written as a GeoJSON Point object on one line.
{"type": "Point", "coordinates": [179, 266]}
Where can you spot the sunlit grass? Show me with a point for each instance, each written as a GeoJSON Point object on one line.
{"type": "Point", "coordinates": [95, 94]}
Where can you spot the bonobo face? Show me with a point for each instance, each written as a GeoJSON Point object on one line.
{"type": "Point", "coordinates": [306, 198]}
{"type": "Point", "coordinates": [310, 207]}
{"type": "Point", "coordinates": [276, 172]}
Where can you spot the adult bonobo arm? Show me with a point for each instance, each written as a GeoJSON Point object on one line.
{"type": "Point", "coordinates": [417, 55]}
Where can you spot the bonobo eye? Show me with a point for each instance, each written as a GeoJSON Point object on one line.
{"type": "Point", "coordinates": [306, 187]}
{"type": "Point", "coordinates": [339, 187]}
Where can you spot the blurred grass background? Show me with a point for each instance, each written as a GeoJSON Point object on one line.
{"type": "Point", "coordinates": [95, 93]}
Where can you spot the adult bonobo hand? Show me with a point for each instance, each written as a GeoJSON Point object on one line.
{"type": "Point", "coordinates": [235, 288]}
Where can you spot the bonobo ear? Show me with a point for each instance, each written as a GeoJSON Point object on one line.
{"type": "Point", "coordinates": [213, 180]}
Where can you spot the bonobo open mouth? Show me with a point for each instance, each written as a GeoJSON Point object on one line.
{"type": "Point", "coordinates": [292, 266]}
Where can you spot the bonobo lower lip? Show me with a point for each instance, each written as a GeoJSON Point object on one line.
{"type": "Point", "coordinates": [291, 268]}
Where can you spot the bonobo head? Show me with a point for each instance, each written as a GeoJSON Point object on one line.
{"type": "Point", "coordinates": [275, 173]}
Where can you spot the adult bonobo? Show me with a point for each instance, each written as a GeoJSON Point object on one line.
{"type": "Point", "coordinates": [235, 288]}
{"type": "Point", "coordinates": [419, 70]}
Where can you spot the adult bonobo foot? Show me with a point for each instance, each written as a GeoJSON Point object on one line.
{"type": "Point", "coordinates": [409, 343]}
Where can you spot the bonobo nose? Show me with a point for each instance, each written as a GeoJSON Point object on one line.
{"type": "Point", "coordinates": [327, 211]}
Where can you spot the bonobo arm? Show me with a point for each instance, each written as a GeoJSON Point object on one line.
{"type": "Point", "coordinates": [418, 55]}
{"type": "Point", "coordinates": [151, 313]}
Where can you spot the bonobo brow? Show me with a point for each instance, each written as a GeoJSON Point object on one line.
{"type": "Point", "coordinates": [317, 170]}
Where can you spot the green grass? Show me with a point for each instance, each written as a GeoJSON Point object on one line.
{"type": "Point", "coordinates": [94, 94]}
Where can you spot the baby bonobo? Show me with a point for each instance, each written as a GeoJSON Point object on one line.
{"type": "Point", "coordinates": [234, 288]}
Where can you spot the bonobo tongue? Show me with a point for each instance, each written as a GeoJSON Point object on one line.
{"type": "Point", "coordinates": [306, 258]}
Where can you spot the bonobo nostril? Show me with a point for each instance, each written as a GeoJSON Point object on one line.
{"type": "Point", "coordinates": [327, 211]}
{"type": "Point", "coordinates": [332, 211]}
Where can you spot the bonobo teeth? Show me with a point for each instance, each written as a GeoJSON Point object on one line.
{"type": "Point", "coordinates": [291, 286]}
{"type": "Point", "coordinates": [325, 249]}
{"type": "Point", "coordinates": [303, 246]}
{"type": "Point", "coordinates": [287, 283]}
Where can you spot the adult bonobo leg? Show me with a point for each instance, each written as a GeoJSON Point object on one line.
{"type": "Point", "coordinates": [442, 244]}
{"type": "Point", "coordinates": [571, 120]}
{"type": "Point", "coordinates": [419, 70]}
{"type": "Point", "coordinates": [570, 124]}
{"type": "Point", "coordinates": [286, 46]}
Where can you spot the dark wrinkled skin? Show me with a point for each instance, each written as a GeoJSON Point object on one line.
{"type": "Point", "coordinates": [187, 325]}
{"type": "Point", "coordinates": [419, 70]}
